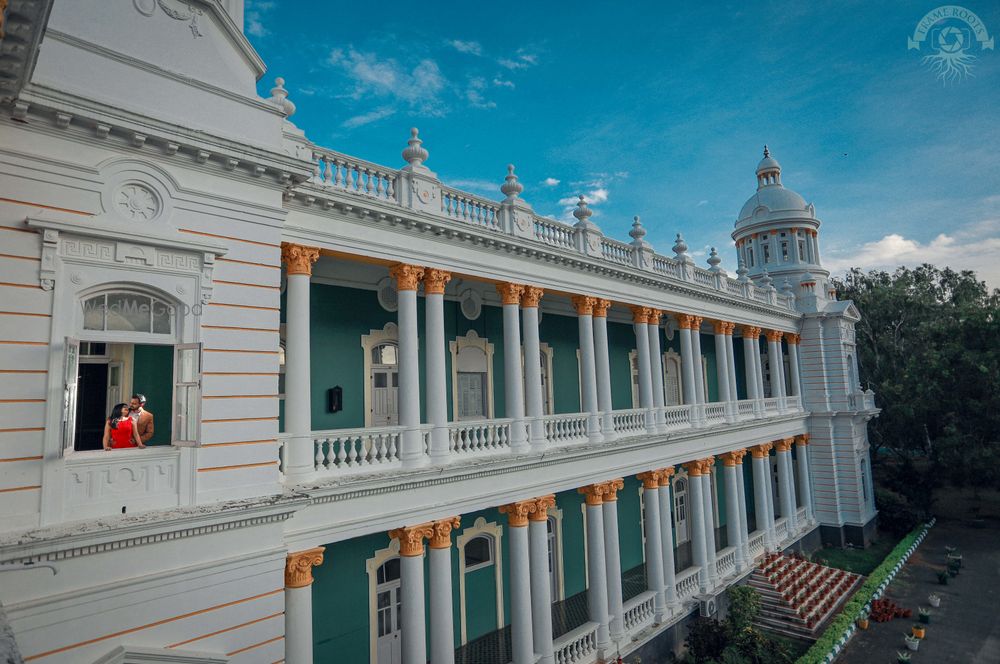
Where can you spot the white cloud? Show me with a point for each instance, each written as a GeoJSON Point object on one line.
{"type": "Point", "coordinates": [470, 47]}
{"type": "Point", "coordinates": [474, 94]}
{"type": "Point", "coordinates": [255, 16]}
{"type": "Point", "coordinates": [701, 203]}
{"type": "Point", "coordinates": [367, 118]}
{"type": "Point", "coordinates": [502, 83]}
{"type": "Point", "coordinates": [593, 197]}
{"type": "Point", "coordinates": [971, 247]}
{"type": "Point", "coordinates": [521, 59]}
{"type": "Point", "coordinates": [550, 182]}
{"type": "Point", "coordinates": [419, 87]}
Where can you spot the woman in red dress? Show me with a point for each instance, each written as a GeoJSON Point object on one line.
{"type": "Point", "coordinates": [119, 430]}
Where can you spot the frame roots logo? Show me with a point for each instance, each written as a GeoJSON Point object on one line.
{"type": "Point", "coordinates": [949, 38]}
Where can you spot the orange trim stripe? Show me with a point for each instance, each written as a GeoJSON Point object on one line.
{"type": "Point", "coordinates": [153, 624]}
{"type": "Point", "coordinates": [238, 373]}
{"type": "Point", "coordinates": [21, 258]}
{"type": "Point", "coordinates": [243, 329]}
{"type": "Point", "coordinates": [213, 469]}
{"type": "Point", "coordinates": [240, 442]}
{"type": "Point", "coordinates": [243, 306]}
{"type": "Point", "coordinates": [47, 207]}
{"type": "Point", "coordinates": [243, 419]}
{"type": "Point", "coordinates": [233, 260]}
{"type": "Point", "coordinates": [17, 230]}
{"type": "Point", "coordinates": [256, 645]}
{"type": "Point", "coordinates": [235, 396]}
{"type": "Point", "coordinates": [22, 313]}
{"type": "Point", "coordinates": [22, 429]}
{"type": "Point", "coordinates": [26, 343]}
{"type": "Point", "coordinates": [229, 237]}
{"type": "Point", "coordinates": [31, 458]}
{"type": "Point", "coordinates": [240, 350]}
{"type": "Point", "coordinates": [21, 488]}
{"type": "Point", "coordinates": [240, 283]}
{"type": "Point", "coordinates": [22, 400]}
{"type": "Point", "coordinates": [228, 629]}
{"type": "Point", "coordinates": [13, 285]}
{"type": "Point", "coordinates": [26, 371]}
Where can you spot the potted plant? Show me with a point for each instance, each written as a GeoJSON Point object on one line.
{"type": "Point", "coordinates": [902, 657]}
{"type": "Point", "coordinates": [912, 642]}
{"type": "Point", "coordinates": [943, 578]}
{"type": "Point", "coordinates": [863, 621]}
{"type": "Point", "coordinates": [934, 600]}
{"type": "Point", "coordinates": [918, 631]}
{"type": "Point", "coordinates": [924, 616]}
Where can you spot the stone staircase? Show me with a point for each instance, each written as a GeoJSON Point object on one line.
{"type": "Point", "coordinates": [798, 596]}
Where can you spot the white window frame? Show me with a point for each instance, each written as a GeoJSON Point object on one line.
{"type": "Point", "coordinates": [471, 339]}
{"type": "Point", "coordinates": [371, 568]}
{"type": "Point", "coordinates": [388, 334]}
{"type": "Point", "coordinates": [479, 528]}
{"type": "Point", "coordinates": [490, 560]}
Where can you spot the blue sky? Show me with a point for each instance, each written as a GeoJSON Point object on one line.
{"type": "Point", "coordinates": [662, 111]}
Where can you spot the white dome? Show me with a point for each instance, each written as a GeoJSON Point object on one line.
{"type": "Point", "coordinates": [781, 203]}
{"type": "Point", "coordinates": [768, 163]}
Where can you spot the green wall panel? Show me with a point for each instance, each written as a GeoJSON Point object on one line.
{"type": "Point", "coordinates": [630, 524]}
{"type": "Point", "coordinates": [562, 334]}
{"type": "Point", "coordinates": [574, 569]}
{"type": "Point", "coordinates": [152, 376]}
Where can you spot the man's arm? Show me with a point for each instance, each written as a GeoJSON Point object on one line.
{"type": "Point", "coordinates": [147, 433]}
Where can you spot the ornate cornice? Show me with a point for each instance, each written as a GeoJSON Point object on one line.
{"type": "Point", "coordinates": [509, 293]}
{"type": "Point", "coordinates": [407, 276]}
{"type": "Point", "coordinates": [441, 532]}
{"type": "Point", "coordinates": [583, 304]}
{"type": "Point", "coordinates": [411, 538]}
{"type": "Point", "coordinates": [298, 567]}
{"type": "Point", "coordinates": [298, 258]}
{"type": "Point", "coordinates": [601, 308]}
{"type": "Point", "coordinates": [531, 297]}
{"type": "Point", "coordinates": [435, 280]}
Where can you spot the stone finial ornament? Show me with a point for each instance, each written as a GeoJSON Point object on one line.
{"type": "Point", "coordinates": [680, 249]}
{"type": "Point", "coordinates": [582, 212]}
{"type": "Point", "coordinates": [415, 154]}
{"type": "Point", "coordinates": [638, 232]}
{"type": "Point", "coordinates": [741, 272]}
{"type": "Point", "coordinates": [511, 188]}
{"type": "Point", "coordinates": [714, 261]}
{"type": "Point", "coordinates": [766, 282]}
{"type": "Point", "coordinates": [279, 97]}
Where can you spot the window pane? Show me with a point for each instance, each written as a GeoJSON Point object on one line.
{"type": "Point", "coordinates": [93, 313]}
{"type": "Point", "coordinates": [384, 354]}
{"type": "Point", "coordinates": [391, 568]}
{"type": "Point", "coordinates": [478, 551]}
{"type": "Point", "coordinates": [128, 312]}
{"type": "Point", "coordinates": [379, 380]}
{"type": "Point", "coordinates": [163, 315]}
{"type": "Point", "coordinates": [187, 365]}
{"type": "Point", "coordinates": [187, 412]}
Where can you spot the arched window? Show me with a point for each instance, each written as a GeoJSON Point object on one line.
{"type": "Point", "coordinates": [680, 508]}
{"type": "Point", "coordinates": [478, 553]}
{"type": "Point", "coordinates": [128, 311]}
{"type": "Point", "coordinates": [385, 384]}
{"type": "Point", "coordinates": [388, 605]}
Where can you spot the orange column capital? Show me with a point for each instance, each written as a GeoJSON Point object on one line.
{"type": "Point", "coordinates": [601, 307]}
{"type": "Point", "coordinates": [802, 440]}
{"type": "Point", "coordinates": [775, 335]}
{"type": "Point", "coordinates": [685, 321]}
{"type": "Point", "coordinates": [435, 280]}
{"type": "Point", "coordinates": [784, 444]}
{"type": "Point", "coordinates": [666, 474]}
{"type": "Point", "coordinates": [650, 479]}
{"type": "Point", "coordinates": [298, 259]}
{"type": "Point", "coordinates": [761, 451]}
{"type": "Point", "coordinates": [411, 538]}
{"type": "Point", "coordinates": [517, 513]}
{"type": "Point", "coordinates": [793, 339]}
{"type": "Point", "coordinates": [611, 489]}
{"type": "Point", "coordinates": [509, 293]}
{"type": "Point", "coordinates": [407, 276]}
{"type": "Point", "coordinates": [298, 567]}
{"type": "Point", "coordinates": [441, 532]}
{"type": "Point", "coordinates": [531, 296]}
{"type": "Point", "coordinates": [640, 314]}
{"type": "Point", "coordinates": [542, 505]}
{"type": "Point", "coordinates": [583, 304]}
{"type": "Point", "coordinates": [654, 316]}
{"type": "Point", "coordinates": [693, 468]}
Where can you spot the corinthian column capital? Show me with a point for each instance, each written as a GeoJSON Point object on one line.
{"type": "Point", "coordinates": [407, 276]}
{"type": "Point", "coordinates": [441, 532]}
{"type": "Point", "coordinates": [509, 293]}
{"type": "Point", "coordinates": [583, 304]}
{"type": "Point", "coordinates": [411, 538]}
{"type": "Point", "coordinates": [531, 296]}
{"type": "Point", "coordinates": [298, 567]}
{"type": "Point", "coordinates": [298, 258]}
{"type": "Point", "coordinates": [435, 281]}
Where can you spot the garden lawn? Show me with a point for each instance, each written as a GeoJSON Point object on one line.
{"type": "Point", "coordinates": [859, 561]}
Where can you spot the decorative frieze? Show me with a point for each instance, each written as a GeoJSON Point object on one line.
{"type": "Point", "coordinates": [298, 567]}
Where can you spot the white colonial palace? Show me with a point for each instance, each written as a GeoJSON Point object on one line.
{"type": "Point", "coordinates": [348, 362]}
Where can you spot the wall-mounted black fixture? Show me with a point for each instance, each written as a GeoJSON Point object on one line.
{"type": "Point", "coordinates": [335, 399]}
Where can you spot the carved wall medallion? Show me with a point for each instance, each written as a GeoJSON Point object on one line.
{"type": "Point", "coordinates": [136, 202]}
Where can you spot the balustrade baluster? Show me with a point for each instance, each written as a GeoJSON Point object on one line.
{"type": "Point", "coordinates": [390, 190]}
{"type": "Point", "coordinates": [369, 185]}
{"type": "Point", "coordinates": [318, 454]}
{"type": "Point", "coordinates": [379, 179]}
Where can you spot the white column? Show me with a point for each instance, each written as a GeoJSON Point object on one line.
{"type": "Point", "coordinates": [758, 366]}
{"type": "Point", "coordinates": [805, 483]}
{"type": "Point", "coordinates": [588, 371]}
{"type": "Point", "coordinates": [653, 545]}
{"type": "Point", "coordinates": [687, 360]}
{"type": "Point", "coordinates": [793, 365]}
{"type": "Point", "coordinates": [298, 605]}
{"type": "Point", "coordinates": [761, 499]}
{"type": "Point", "coordinates": [597, 588]}
{"type": "Point", "coordinates": [722, 368]}
{"type": "Point", "coordinates": [613, 559]}
{"type": "Point", "coordinates": [656, 366]}
{"type": "Point", "coordinates": [769, 483]}
{"type": "Point", "coordinates": [776, 361]}
{"type": "Point", "coordinates": [513, 381]}
{"type": "Point", "coordinates": [744, 523]}
{"type": "Point", "coordinates": [786, 482]}
{"type": "Point", "coordinates": [699, 369]}
{"type": "Point", "coordinates": [749, 361]}
{"type": "Point", "coordinates": [534, 400]}
{"type": "Point", "coordinates": [412, 447]}
{"type": "Point", "coordinates": [541, 596]}
{"type": "Point", "coordinates": [696, 521]}
{"type": "Point", "coordinates": [734, 532]}
{"type": "Point", "coordinates": [437, 389]}
{"type": "Point", "coordinates": [602, 368]}
{"type": "Point", "coordinates": [667, 538]}
{"type": "Point", "coordinates": [441, 607]}
{"type": "Point", "coordinates": [411, 588]}
{"type": "Point", "coordinates": [299, 452]}
{"type": "Point", "coordinates": [640, 317]}
{"type": "Point", "coordinates": [520, 582]}
{"type": "Point", "coordinates": [708, 495]}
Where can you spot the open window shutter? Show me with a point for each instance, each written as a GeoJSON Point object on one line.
{"type": "Point", "coordinates": [71, 366]}
{"type": "Point", "coordinates": [187, 392]}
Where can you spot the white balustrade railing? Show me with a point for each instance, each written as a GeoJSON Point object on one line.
{"type": "Point", "coordinates": [745, 410]}
{"type": "Point", "coordinates": [347, 450]}
{"type": "Point", "coordinates": [715, 412]}
{"type": "Point", "coordinates": [557, 234]}
{"type": "Point", "coordinates": [638, 611]}
{"type": "Point", "coordinates": [565, 428]}
{"type": "Point", "coordinates": [704, 277]}
{"type": "Point", "coordinates": [781, 528]}
{"type": "Point", "coordinates": [725, 561]}
{"type": "Point", "coordinates": [616, 252]}
{"type": "Point", "coordinates": [771, 405]}
{"type": "Point", "coordinates": [667, 266]}
{"type": "Point", "coordinates": [793, 403]}
{"type": "Point", "coordinates": [734, 287]}
{"type": "Point", "coordinates": [479, 436]}
{"type": "Point", "coordinates": [470, 209]}
{"type": "Point", "coordinates": [677, 416]}
{"type": "Point", "coordinates": [756, 543]}
{"type": "Point", "coordinates": [687, 582]}
{"type": "Point", "coordinates": [800, 516]}
{"type": "Point", "coordinates": [629, 421]}
{"type": "Point", "coordinates": [356, 176]}
{"type": "Point", "coordinates": [758, 294]}
{"type": "Point", "coordinates": [578, 646]}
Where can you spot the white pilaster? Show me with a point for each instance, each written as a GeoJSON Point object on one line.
{"type": "Point", "coordinates": [541, 596]}
{"type": "Point", "coordinates": [412, 447]}
{"type": "Point", "coordinates": [653, 545]}
{"type": "Point", "coordinates": [299, 452]}
{"type": "Point", "coordinates": [602, 367]}
{"type": "Point", "coordinates": [436, 392]}
{"type": "Point", "coordinates": [298, 605]}
{"type": "Point", "coordinates": [597, 588]}
{"type": "Point", "coordinates": [588, 372]}
{"type": "Point", "coordinates": [513, 381]}
{"type": "Point", "coordinates": [534, 400]}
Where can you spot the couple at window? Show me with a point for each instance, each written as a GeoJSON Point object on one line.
{"type": "Point", "coordinates": [128, 425]}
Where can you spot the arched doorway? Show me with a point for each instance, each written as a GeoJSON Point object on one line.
{"type": "Point", "coordinates": [384, 381]}
{"type": "Point", "coordinates": [388, 606]}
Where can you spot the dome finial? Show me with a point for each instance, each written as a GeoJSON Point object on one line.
{"type": "Point", "coordinates": [637, 232]}
{"type": "Point", "coordinates": [767, 153]}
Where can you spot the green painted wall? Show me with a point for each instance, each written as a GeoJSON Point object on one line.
{"type": "Point", "coordinates": [630, 524]}
{"type": "Point", "coordinates": [574, 569]}
{"type": "Point", "coordinates": [152, 376]}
